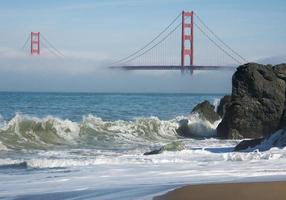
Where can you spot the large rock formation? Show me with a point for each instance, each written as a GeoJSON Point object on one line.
{"type": "Point", "coordinates": [223, 104]}
{"type": "Point", "coordinates": [257, 106]}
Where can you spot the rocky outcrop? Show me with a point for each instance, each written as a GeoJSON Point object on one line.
{"type": "Point", "coordinates": [278, 139]}
{"type": "Point", "coordinates": [223, 104]}
{"type": "Point", "coordinates": [184, 129]}
{"type": "Point", "coordinates": [206, 111]}
{"type": "Point", "coordinates": [202, 117]}
{"type": "Point", "coordinates": [257, 106]}
{"type": "Point", "coordinates": [247, 144]}
{"type": "Point", "coordinates": [197, 128]}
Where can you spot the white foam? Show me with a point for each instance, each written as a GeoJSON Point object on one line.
{"type": "Point", "coordinates": [59, 159]}
{"type": "Point", "coordinates": [3, 147]}
{"type": "Point", "coordinates": [130, 172]}
{"type": "Point", "coordinates": [216, 103]}
{"type": "Point", "coordinates": [273, 154]}
{"type": "Point", "coordinates": [8, 161]}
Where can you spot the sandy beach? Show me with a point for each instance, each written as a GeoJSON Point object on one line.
{"type": "Point", "coordinates": [231, 191]}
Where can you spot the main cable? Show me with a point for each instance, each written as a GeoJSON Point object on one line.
{"type": "Point", "coordinates": [219, 39]}
{"type": "Point", "coordinates": [26, 42]}
{"type": "Point", "coordinates": [52, 46]}
{"type": "Point", "coordinates": [217, 45]}
{"type": "Point", "coordinates": [155, 44]}
{"type": "Point", "coordinates": [145, 46]}
{"type": "Point", "coordinates": [52, 52]}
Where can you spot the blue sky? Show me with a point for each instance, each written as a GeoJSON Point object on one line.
{"type": "Point", "coordinates": [93, 33]}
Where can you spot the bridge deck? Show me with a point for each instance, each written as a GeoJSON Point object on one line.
{"type": "Point", "coordinates": [175, 67]}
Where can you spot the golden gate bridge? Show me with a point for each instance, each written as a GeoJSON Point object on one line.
{"type": "Point", "coordinates": [187, 43]}
{"type": "Point", "coordinates": [174, 49]}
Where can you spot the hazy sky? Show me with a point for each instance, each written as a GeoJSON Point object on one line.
{"type": "Point", "coordinates": [93, 33]}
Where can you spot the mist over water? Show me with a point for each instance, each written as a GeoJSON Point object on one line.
{"type": "Point", "coordinates": [93, 145]}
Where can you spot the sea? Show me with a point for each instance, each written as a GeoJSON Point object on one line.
{"type": "Point", "coordinates": [78, 146]}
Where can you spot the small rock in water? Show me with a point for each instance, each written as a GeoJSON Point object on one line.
{"type": "Point", "coordinates": [184, 129]}
{"type": "Point", "coordinates": [196, 128]}
{"type": "Point", "coordinates": [206, 111]}
{"type": "Point", "coordinates": [156, 151]}
{"type": "Point", "coordinates": [174, 146]}
{"type": "Point", "coordinates": [204, 116]}
{"type": "Point", "coordinates": [246, 144]}
{"type": "Point", "coordinates": [277, 139]}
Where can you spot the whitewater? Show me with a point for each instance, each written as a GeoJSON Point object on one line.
{"type": "Point", "coordinates": [91, 146]}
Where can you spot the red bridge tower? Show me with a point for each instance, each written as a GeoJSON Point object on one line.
{"type": "Point", "coordinates": [35, 43]}
{"type": "Point", "coordinates": [187, 38]}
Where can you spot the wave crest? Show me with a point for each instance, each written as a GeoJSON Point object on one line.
{"type": "Point", "coordinates": [41, 133]}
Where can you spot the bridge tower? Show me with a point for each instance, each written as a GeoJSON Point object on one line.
{"type": "Point", "coordinates": [187, 49]}
{"type": "Point", "coordinates": [35, 43]}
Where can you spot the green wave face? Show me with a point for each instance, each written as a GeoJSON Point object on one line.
{"type": "Point", "coordinates": [24, 132]}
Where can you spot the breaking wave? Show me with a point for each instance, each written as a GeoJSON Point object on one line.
{"type": "Point", "coordinates": [41, 133]}
{"type": "Point", "coordinates": [26, 132]}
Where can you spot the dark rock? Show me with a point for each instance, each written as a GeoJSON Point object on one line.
{"type": "Point", "coordinates": [153, 152]}
{"type": "Point", "coordinates": [206, 111]}
{"type": "Point", "coordinates": [223, 104]}
{"type": "Point", "coordinates": [246, 144]}
{"type": "Point", "coordinates": [198, 129]}
{"type": "Point", "coordinates": [173, 146]}
{"type": "Point", "coordinates": [277, 139]}
{"type": "Point", "coordinates": [280, 71]}
{"type": "Point", "coordinates": [184, 129]}
{"type": "Point", "coordinates": [282, 123]}
{"type": "Point", "coordinates": [257, 102]}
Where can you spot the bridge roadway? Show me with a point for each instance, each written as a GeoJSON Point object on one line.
{"type": "Point", "coordinates": [175, 67]}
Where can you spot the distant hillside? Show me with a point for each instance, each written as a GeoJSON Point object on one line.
{"type": "Point", "coordinates": [273, 60]}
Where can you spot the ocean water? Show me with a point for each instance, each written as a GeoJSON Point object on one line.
{"type": "Point", "coordinates": [90, 146]}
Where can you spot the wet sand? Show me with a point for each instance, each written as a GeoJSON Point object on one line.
{"type": "Point", "coordinates": [229, 191]}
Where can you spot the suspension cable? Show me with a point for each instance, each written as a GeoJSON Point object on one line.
{"type": "Point", "coordinates": [141, 49]}
{"type": "Point", "coordinates": [155, 44]}
{"type": "Point", "coordinates": [217, 45]}
{"type": "Point", "coordinates": [26, 42]}
{"type": "Point", "coordinates": [219, 39]}
{"type": "Point", "coordinates": [52, 46]}
{"type": "Point", "coordinates": [52, 52]}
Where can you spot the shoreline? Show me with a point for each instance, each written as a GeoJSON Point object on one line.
{"type": "Point", "coordinates": [267, 190]}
